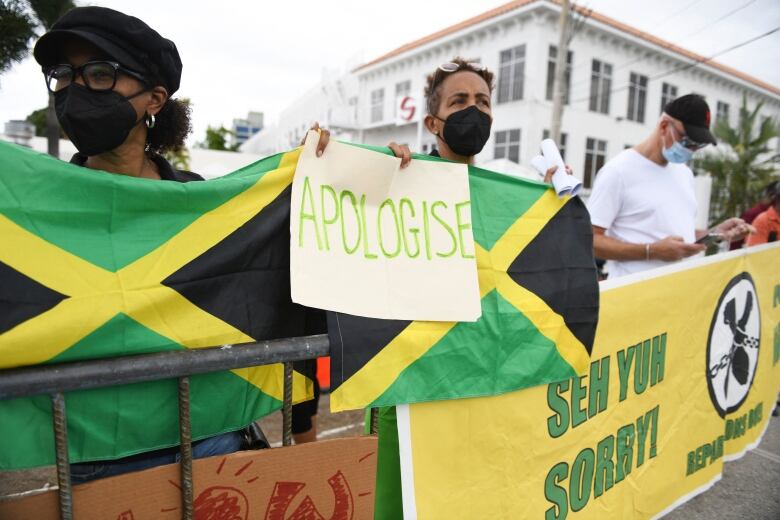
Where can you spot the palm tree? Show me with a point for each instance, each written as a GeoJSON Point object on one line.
{"type": "Point", "coordinates": [743, 163]}
{"type": "Point", "coordinates": [47, 12]}
{"type": "Point", "coordinates": [16, 30]}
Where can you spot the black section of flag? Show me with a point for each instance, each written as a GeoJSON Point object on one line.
{"type": "Point", "coordinates": [355, 340]}
{"type": "Point", "coordinates": [558, 266]}
{"type": "Point", "coordinates": [244, 280]}
{"type": "Point", "coordinates": [22, 298]}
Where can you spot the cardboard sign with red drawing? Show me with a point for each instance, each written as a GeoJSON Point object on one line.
{"type": "Point", "coordinates": [323, 480]}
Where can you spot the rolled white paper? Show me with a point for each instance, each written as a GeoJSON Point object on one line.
{"type": "Point", "coordinates": [563, 183]}
{"type": "Point", "coordinates": [541, 164]}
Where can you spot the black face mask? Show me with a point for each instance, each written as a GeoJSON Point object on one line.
{"type": "Point", "coordinates": [95, 122]}
{"type": "Point", "coordinates": [466, 131]}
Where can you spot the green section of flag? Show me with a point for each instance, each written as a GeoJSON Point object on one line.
{"type": "Point", "coordinates": [497, 201]}
{"type": "Point", "coordinates": [111, 220]}
{"type": "Point", "coordinates": [120, 333]}
{"type": "Point", "coordinates": [103, 423]}
{"type": "Point", "coordinates": [501, 352]}
{"type": "Point", "coordinates": [100, 223]}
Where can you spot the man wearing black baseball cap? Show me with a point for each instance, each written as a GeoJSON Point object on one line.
{"type": "Point", "coordinates": [643, 206]}
{"type": "Point", "coordinates": [693, 112]}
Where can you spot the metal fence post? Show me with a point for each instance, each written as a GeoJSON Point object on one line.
{"type": "Point", "coordinates": [60, 420]}
{"type": "Point", "coordinates": [185, 435]}
{"type": "Point", "coordinates": [373, 426]}
{"type": "Point", "coordinates": [287, 405]}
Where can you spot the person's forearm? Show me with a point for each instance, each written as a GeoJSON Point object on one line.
{"type": "Point", "coordinates": [609, 248]}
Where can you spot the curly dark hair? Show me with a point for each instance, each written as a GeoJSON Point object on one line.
{"type": "Point", "coordinates": [435, 79]}
{"type": "Point", "coordinates": [172, 126]}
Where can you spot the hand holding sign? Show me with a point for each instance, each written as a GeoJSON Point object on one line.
{"type": "Point", "coordinates": [372, 239]}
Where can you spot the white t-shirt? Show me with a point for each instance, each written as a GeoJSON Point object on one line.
{"type": "Point", "coordinates": [640, 202]}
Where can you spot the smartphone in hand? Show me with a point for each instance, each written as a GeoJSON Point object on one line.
{"type": "Point", "coordinates": [710, 239]}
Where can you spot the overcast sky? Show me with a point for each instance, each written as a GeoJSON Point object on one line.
{"type": "Point", "coordinates": [240, 56]}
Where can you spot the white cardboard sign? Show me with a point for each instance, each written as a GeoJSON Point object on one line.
{"type": "Point", "coordinates": [371, 239]}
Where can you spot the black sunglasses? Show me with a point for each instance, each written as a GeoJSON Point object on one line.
{"type": "Point", "coordinates": [99, 76]}
{"type": "Point", "coordinates": [687, 142]}
{"type": "Point", "coordinates": [445, 69]}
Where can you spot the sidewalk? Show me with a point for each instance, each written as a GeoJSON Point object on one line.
{"type": "Point", "coordinates": [749, 489]}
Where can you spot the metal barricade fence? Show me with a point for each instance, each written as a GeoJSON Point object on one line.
{"type": "Point", "coordinates": [57, 379]}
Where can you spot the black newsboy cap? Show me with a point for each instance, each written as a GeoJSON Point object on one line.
{"type": "Point", "coordinates": [124, 38]}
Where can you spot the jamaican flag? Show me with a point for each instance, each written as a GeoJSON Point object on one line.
{"type": "Point", "coordinates": [97, 265]}
{"type": "Point", "coordinates": [539, 293]}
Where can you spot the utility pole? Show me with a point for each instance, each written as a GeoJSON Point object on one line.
{"type": "Point", "coordinates": [560, 70]}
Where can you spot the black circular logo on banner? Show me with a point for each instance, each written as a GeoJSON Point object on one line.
{"type": "Point", "coordinates": [732, 345]}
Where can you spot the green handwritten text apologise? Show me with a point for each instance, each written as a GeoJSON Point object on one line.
{"type": "Point", "coordinates": [401, 228]}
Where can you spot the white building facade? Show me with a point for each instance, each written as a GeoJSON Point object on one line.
{"type": "Point", "coordinates": [618, 80]}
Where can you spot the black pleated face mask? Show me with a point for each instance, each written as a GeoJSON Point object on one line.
{"type": "Point", "coordinates": [95, 122]}
{"type": "Point", "coordinates": [466, 131]}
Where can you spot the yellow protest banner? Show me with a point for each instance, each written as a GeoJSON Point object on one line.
{"type": "Point", "coordinates": [684, 374]}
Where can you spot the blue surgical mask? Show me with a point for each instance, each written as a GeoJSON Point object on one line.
{"type": "Point", "coordinates": [677, 153]}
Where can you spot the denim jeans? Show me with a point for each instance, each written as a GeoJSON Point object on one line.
{"type": "Point", "coordinates": [219, 445]}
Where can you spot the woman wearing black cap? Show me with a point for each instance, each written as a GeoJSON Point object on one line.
{"type": "Point", "coordinates": [113, 77]}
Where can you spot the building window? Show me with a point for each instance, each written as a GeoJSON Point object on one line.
{"type": "Point", "coordinates": [668, 93]}
{"type": "Point", "coordinates": [353, 111]}
{"type": "Point", "coordinates": [377, 105]}
{"type": "Point", "coordinates": [402, 89]}
{"type": "Point", "coordinates": [508, 145]}
{"type": "Point", "coordinates": [561, 145]}
{"type": "Point", "coordinates": [600, 85]}
{"type": "Point", "coordinates": [551, 59]}
{"type": "Point", "coordinates": [595, 157]}
{"type": "Point", "coordinates": [637, 97]}
{"type": "Point", "coordinates": [511, 70]}
{"type": "Point", "coordinates": [722, 113]}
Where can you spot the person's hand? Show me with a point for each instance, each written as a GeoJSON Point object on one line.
{"type": "Point", "coordinates": [324, 138]}
{"type": "Point", "coordinates": [401, 151]}
{"type": "Point", "coordinates": [734, 229]}
{"type": "Point", "coordinates": [551, 171]}
{"type": "Point", "coordinates": [673, 248]}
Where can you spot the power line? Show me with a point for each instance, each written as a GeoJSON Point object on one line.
{"type": "Point", "coordinates": [733, 11]}
{"type": "Point", "coordinates": [695, 63]}
{"type": "Point", "coordinates": [706, 26]}
{"type": "Point", "coordinates": [724, 51]}
{"type": "Point", "coordinates": [655, 26]}
{"type": "Point", "coordinates": [691, 4]}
